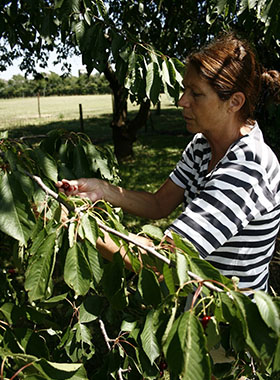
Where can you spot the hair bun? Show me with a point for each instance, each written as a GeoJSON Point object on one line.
{"type": "Point", "coordinates": [271, 84]}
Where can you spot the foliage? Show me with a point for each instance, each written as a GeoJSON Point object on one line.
{"type": "Point", "coordinates": [139, 39]}
{"type": "Point", "coordinates": [53, 84]}
{"type": "Point", "coordinates": [68, 314]}
{"type": "Point", "coordinates": [138, 45]}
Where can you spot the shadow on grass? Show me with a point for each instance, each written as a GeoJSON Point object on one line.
{"type": "Point", "coordinates": [169, 121]}
{"type": "Point", "coordinates": [97, 128]}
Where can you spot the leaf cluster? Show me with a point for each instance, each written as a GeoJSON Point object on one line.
{"type": "Point", "coordinates": [66, 313]}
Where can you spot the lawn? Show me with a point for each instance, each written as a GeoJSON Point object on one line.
{"type": "Point", "coordinates": [21, 112]}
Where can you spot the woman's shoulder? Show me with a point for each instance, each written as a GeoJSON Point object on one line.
{"type": "Point", "coordinates": [252, 148]}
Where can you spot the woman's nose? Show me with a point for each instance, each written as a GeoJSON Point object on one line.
{"type": "Point", "coordinates": [184, 101]}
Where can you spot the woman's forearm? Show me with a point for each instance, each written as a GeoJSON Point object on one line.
{"type": "Point", "coordinates": [144, 204]}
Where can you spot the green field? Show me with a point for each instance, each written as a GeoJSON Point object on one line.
{"type": "Point", "coordinates": [20, 112]}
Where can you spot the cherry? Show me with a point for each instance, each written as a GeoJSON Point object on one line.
{"type": "Point", "coordinates": [205, 320]}
{"type": "Point", "coordinates": [162, 367]}
{"type": "Point", "coordinates": [65, 185]}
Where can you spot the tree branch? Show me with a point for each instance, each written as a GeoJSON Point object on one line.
{"type": "Point", "coordinates": [148, 249]}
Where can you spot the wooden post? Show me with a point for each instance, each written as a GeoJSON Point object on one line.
{"type": "Point", "coordinates": [38, 102]}
{"type": "Point", "coordinates": [81, 118]}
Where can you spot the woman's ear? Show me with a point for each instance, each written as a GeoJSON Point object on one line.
{"type": "Point", "coordinates": [236, 101]}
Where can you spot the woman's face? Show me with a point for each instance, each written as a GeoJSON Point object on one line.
{"type": "Point", "coordinates": [203, 110]}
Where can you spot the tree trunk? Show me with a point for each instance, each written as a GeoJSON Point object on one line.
{"type": "Point", "coordinates": [124, 131]}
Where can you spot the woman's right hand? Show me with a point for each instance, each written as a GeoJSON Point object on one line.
{"type": "Point", "coordinates": [91, 188]}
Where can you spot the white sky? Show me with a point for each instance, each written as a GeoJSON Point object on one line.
{"type": "Point", "coordinates": [14, 69]}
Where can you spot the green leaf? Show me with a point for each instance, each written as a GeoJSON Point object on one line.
{"type": "Point", "coordinates": [90, 228]}
{"type": "Point", "coordinates": [170, 321]}
{"type": "Point", "coordinates": [12, 313]}
{"type": "Point", "coordinates": [268, 310]}
{"type": "Point", "coordinates": [4, 134]}
{"type": "Point", "coordinates": [149, 78]}
{"type": "Point", "coordinates": [25, 183]}
{"type": "Point", "coordinates": [16, 218]}
{"type": "Point", "coordinates": [90, 309]}
{"type": "Point", "coordinates": [148, 287]}
{"type": "Point", "coordinates": [79, 29]}
{"type": "Point", "coordinates": [156, 87]}
{"type": "Point", "coordinates": [71, 233]}
{"type": "Point", "coordinates": [207, 271]}
{"type": "Point", "coordinates": [80, 161]}
{"type": "Point", "coordinates": [77, 273]}
{"type": "Point", "coordinates": [148, 338]}
{"type": "Point", "coordinates": [153, 231]}
{"type": "Point", "coordinates": [185, 349]}
{"type": "Point", "coordinates": [184, 245]}
{"type": "Point", "coordinates": [169, 278]}
{"type": "Point", "coordinates": [114, 282]}
{"type": "Point", "coordinates": [117, 43]}
{"type": "Point", "coordinates": [165, 73]}
{"type": "Point", "coordinates": [39, 270]}
{"type": "Point", "coordinates": [62, 371]}
{"type": "Point", "coordinates": [46, 163]}
{"type": "Point", "coordinates": [95, 260]}
{"type": "Point", "coordinates": [276, 360]}
{"type": "Point", "coordinates": [32, 342]}
{"type": "Point", "coordinates": [102, 9]}
{"type": "Point", "coordinates": [182, 269]}
{"type": "Point", "coordinates": [258, 335]}
{"type": "Point", "coordinates": [12, 159]}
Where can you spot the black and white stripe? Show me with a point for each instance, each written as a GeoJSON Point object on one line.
{"type": "Point", "coordinates": [231, 214]}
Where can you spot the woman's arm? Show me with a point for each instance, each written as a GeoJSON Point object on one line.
{"type": "Point", "coordinates": [141, 203]}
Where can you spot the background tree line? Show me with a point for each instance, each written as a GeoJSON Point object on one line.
{"type": "Point", "coordinates": [54, 84]}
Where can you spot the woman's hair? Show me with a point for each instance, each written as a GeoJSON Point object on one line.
{"type": "Point", "coordinates": [229, 65]}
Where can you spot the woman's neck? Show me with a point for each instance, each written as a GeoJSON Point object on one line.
{"type": "Point", "coordinates": [220, 143]}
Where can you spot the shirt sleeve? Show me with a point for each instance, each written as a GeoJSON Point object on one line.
{"type": "Point", "coordinates": [191, 162]}
{"type": "Point", "coordinates": [234, 195]}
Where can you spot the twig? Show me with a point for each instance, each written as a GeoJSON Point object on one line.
{"type": "Point", "coordinates": [20, 370]}
{"type": "Point", "coordinates": [49, 191]}
{"type": "Point", "coordinates": [121, 371]}
{"type": "Point", "coordinates": [33, 137]}
{"type": "Point", "coordinates": [103, 330]}
{"type": "Point", "coordinates": [2, 368]}
{"type": "Point", "coordinates": [130, 240]}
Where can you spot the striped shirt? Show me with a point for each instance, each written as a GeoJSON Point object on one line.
{"type": "Point", "coordinates": [231, 214]}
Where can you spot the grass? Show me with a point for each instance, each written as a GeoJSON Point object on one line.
{"type": "Point", "coordinates": [154, 159]}
{"type": "Point", "coordinates": [23, 112]}
{"type": "Point", "coordinates": [156, 150]}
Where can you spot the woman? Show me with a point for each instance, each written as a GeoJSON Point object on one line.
{"type": "Point", "coordinates": [228, 178]}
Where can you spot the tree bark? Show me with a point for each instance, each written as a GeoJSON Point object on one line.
{"type": "Point", "coordinates": [124, 131]}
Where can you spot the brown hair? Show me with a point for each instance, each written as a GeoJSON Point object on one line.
{"type": "Point", "coordinates": [229, 65]}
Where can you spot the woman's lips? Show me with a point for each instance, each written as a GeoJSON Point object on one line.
{"type": "Point", "coordinates": [188, 118]}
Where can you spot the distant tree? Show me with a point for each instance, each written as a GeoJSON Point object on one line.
{"type": "Point", "coordinates": [54, 84]}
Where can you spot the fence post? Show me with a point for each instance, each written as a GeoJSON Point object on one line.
{"type": "Point", "coordinates": [81, 118]}
{"type": "Point", "coordinates": [38, 104]}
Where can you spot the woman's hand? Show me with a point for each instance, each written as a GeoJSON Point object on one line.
{"type": "Point", "coordinates": [91, 188]}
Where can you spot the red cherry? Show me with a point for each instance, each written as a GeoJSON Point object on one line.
{"type": "Point", "coordinates": [65, 185]}
{"type": "Point", "coordinates": [205, 320]}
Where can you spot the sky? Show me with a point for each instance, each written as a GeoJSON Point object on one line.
{"type": "Point", "coordinates": [14, 69]}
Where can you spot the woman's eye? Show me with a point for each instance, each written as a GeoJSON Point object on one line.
{"type": "Point", "coordinates": [195, 94]}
